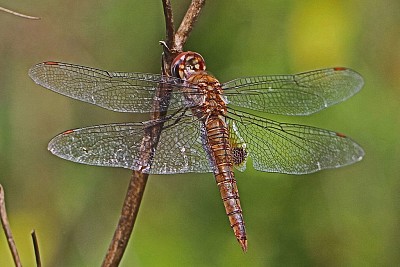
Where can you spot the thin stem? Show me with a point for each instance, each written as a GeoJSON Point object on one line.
{"type": "Point", "coordinates": [151, 136]}
{"type": "Point", "coordinates": [187, 24]}
{"type": "Point", "coordinates": [169, 23]}
{"type": "Point", "coordinates": [36, 248]}
{"type": "Point", "coordinates": [7, 229]}
{"type": "Point", "coordinates": [17, 14]}
{"type": "Point", "coordinates": [127, 219]}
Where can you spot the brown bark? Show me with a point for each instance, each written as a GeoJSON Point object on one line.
{"type": "Point", "coordinates": [173, 44]}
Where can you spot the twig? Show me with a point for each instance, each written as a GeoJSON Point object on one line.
{"type": "Point", "coordinates": [138, 181]}
{"type": "Point", "coordinates": [169, 23]}
{"type": "Point", "coordinates": [17, 14]}
{"type": "Point", "coordinates": [127, 219]}
{"type": "Point", "coordinates": [36, 248]}
{"type": "Point", "coordinates": [7, 229]}
{"type": "Point", "coordinates": [188, 21]}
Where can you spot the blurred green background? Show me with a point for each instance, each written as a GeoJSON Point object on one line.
{"type": "Point", "coordinates": [341, 217]}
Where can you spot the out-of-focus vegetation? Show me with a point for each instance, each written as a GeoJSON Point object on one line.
{"type": "Point", "coordinates": [342, 217]}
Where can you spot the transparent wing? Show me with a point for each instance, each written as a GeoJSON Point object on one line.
{"type": "Point", "coordinates": [117, 145]}
{"type": "Point", "coordinates": [117, 91]}
{"type": "Point", "coordinates": [291, 148]}
{"type": "Point", "coordinates": [299, 94]}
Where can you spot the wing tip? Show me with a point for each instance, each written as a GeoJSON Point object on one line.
{"type": "Point", "coordinates": [356, 75]}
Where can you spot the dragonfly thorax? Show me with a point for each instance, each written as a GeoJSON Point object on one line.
{"type": "Point", "coordinates": [209, 88]}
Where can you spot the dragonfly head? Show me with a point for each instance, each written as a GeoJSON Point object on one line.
{"type": "Point", "coordinates": [186, 64]}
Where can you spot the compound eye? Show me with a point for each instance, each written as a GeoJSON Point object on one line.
{"type": "Point", "coordinates": [176, 70]}
{"type": "Point", "coordinates": [186, 64]}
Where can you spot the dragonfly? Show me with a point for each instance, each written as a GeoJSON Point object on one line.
{"type": "Point", "coordinates": [209, 126]}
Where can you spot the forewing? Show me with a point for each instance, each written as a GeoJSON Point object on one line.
{"type": "Point", "coordinates": [291, 148]}
{"type": "Point", "coordinates": [299, 94]}
{"type": "Point", "coordinates": [118, 145]}
{"type": "Point", "coordinates": [117, 91]}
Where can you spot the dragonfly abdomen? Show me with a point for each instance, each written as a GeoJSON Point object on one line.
{"type": "Point", "coordinates": [221, 159]}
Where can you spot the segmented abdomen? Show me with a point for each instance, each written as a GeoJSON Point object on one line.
{"type": "Point", "coordinates": [221, 157]}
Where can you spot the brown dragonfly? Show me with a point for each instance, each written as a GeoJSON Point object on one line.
{"type": "Point", "coordinates": [208, 127]}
